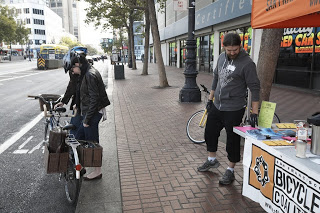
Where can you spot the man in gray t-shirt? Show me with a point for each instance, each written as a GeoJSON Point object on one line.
{"type": "Point", "coordinates": [234, 73]}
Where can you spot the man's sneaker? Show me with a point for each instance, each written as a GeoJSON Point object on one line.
{"type": "Point", "coordinates": [227, 178]}
{"type": "Point", "coordinates": [209, 164]}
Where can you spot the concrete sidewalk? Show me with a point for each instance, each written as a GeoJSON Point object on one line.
{"type": "Point", "coordinates": [149, 163]}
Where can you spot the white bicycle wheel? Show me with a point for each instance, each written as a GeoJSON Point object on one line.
{"type": "Point", "coordinates": [195, 132]}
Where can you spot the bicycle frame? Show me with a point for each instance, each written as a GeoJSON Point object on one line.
{"type": "Point", "coordinates": [203, 120]}
{"type": "Point", "coordinates": [73, 143]}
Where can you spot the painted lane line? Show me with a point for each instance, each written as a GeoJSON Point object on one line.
{"type": "Point", "coordinates": [19, 77]}
{"type": "Point", "coordinates": [24, 143]}
{"type": "Point", "coordinates": [20, 151]}
{"type": "Point", "coordinates": [4, 146]}
{"type": "Point", "coordinates": [36, 147]}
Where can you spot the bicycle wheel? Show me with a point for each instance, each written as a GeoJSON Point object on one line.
{"type": "Point", "coordinates": [72, 184]}
{"type": "Point", "coordinates": [46, 131]}
{"type": "Point", "coordinates": [195, 132]}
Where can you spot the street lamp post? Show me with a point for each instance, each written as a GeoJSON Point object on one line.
{"type": "Point", "coordinates": [190, 91]}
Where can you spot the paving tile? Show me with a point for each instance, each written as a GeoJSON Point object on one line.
{"type": "Point", "coordinates": [158, 164]}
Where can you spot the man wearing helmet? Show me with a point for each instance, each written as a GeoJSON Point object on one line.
{"type": "Point", "coordinates": [90, 99]}
{"type": "Point", "coordinates": [73, 86]}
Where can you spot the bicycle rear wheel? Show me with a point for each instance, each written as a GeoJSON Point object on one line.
{"type": "Point", "coordinates": [72, 184]}
{"type": "Point", "coordinates": [195, 132]}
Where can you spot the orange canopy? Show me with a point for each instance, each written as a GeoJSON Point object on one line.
{"type": "Point", "coordinates": [285, 13]}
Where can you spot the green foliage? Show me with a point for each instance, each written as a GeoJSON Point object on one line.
{"type": "Point", "coordinates": [114, 13]}
{"type": "Point", "coordinates": [22, 34]}
{"type": "Point", "coordinates": [67, 41]}
{"type": "Point", "coordinates": [91, 50]}
{"type": "Point", "coordinates": [10, 31]}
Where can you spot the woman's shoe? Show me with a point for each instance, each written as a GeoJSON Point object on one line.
{"type": "Point", "coordinates": [95, 178]}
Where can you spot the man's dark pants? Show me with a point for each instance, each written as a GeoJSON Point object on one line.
{"type": "Point", "coordinates": [217, 120]}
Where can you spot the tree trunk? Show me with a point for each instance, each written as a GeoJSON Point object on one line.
{"type": "Point", "coordinates": [268, 58]}
{"type": "Point", "coordinates": [129, 48]}
{"type": "Point", "coordinates": [131, 38]}
{"type": "Point", "coordinates": [163, 82]}
{"type": "Point", "coordinates": [146, 44]}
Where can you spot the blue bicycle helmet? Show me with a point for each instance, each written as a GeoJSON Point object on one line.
{"type": "Point", "coordinates": [77, 51]}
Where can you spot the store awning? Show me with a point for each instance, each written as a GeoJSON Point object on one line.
{"type": "Point", "coordinates": [285, 14]}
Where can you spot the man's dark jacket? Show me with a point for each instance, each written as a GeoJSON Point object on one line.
{"type": "Point", "coordinates": [93, 96]}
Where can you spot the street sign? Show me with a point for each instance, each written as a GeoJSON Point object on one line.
{"type": "Point", "coordinates": [180, 5]}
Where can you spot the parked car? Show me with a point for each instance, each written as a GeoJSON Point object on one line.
{"type": "Point", "coordinates": [94, 58]}
{"type": "Point", "coordinates": [98, 57]}
{"type": "Point", "coordinates": [90, 59]}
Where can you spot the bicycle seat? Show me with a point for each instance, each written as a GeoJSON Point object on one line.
{"type": "Point", "coordinates": [69, 127]}
{"type": "Point", "coordinates": [60, 109]}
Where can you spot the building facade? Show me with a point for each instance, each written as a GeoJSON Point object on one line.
{"type": "Point", "coordinates": [44, 24]}
{"type": "Point", "coordinates": [67, 10]}
{"type": "Point", "coordinates": [298, 63]}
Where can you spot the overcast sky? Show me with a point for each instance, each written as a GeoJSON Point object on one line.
{"type": "Point", "coordinates": [88, 33]}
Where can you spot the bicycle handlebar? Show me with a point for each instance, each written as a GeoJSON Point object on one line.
{"type": "Point", "coordinates": [44, 100]}
{"type": "Point", "coordinates": [204, 88]}
{"type": "Point", "coordinates": [50, 114]}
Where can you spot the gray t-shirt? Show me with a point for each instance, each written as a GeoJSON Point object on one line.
{"type": "Point", "coordinates": [231, 80]}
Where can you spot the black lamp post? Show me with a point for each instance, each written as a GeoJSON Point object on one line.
{"type": "Point", "coordinates": [190, 92]}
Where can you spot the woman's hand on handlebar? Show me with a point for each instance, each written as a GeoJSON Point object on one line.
{"type": "Point", "coordinates": [60, 104]}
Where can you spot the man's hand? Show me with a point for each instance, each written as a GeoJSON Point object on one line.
{"type": "Point", "coordinates": [209, 106]}
{"type": "Point", "coordinates": [85, 125]}
{"type": "Point", "coordinates": [253, 120]}
{"type": "Point", "coordinates": [60, 104]}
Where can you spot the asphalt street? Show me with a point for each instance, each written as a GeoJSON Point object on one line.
{"type": "Point", "coordinates": [25, 186]}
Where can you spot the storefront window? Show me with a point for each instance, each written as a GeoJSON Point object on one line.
{"type": "Point", "coordinates": [211, 52]}
{"type": "Point", "coordinates": [172, 54]}
{"type": "Point", "coordinates": [299, 59]}
{"type": "Point", "coordinates": [183, 53]}
{"type": "Point", "coordinates": [245, 34]}
{"type": "Point", "coordinates": [204, 53]}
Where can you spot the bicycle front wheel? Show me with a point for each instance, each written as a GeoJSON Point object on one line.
{"type": "Point", "coordinates": [195, 131]}
{"type": "Point", "coordinates": [72, 184]}
{"type": "Point", "coordinates": [46, 131]}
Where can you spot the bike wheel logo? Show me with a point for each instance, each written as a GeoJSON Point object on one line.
{"type": "Point", "coordinates": [265, 179]}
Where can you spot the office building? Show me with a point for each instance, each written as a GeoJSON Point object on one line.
{"type": "Point", "coordinates": [297, 65]}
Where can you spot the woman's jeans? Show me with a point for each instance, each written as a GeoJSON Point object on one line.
{"type": "Point", "coordinates": [90, 133]}
{"type": "Point", "coordinates": [77, 121]}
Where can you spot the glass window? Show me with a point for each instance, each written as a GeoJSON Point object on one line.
{"type": "Point", "coordinates": [211, 52]}
{"type": "Point", "coordinates": [183, 53]}
{"type": "Point", "coordinates": [203, 44]}
{"type": "Point", "coordinates": [299, 58]}
{"type": "Point", "coordinates": [245, 34]}
{"type": "Point", "coordinates": [172, 54]}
